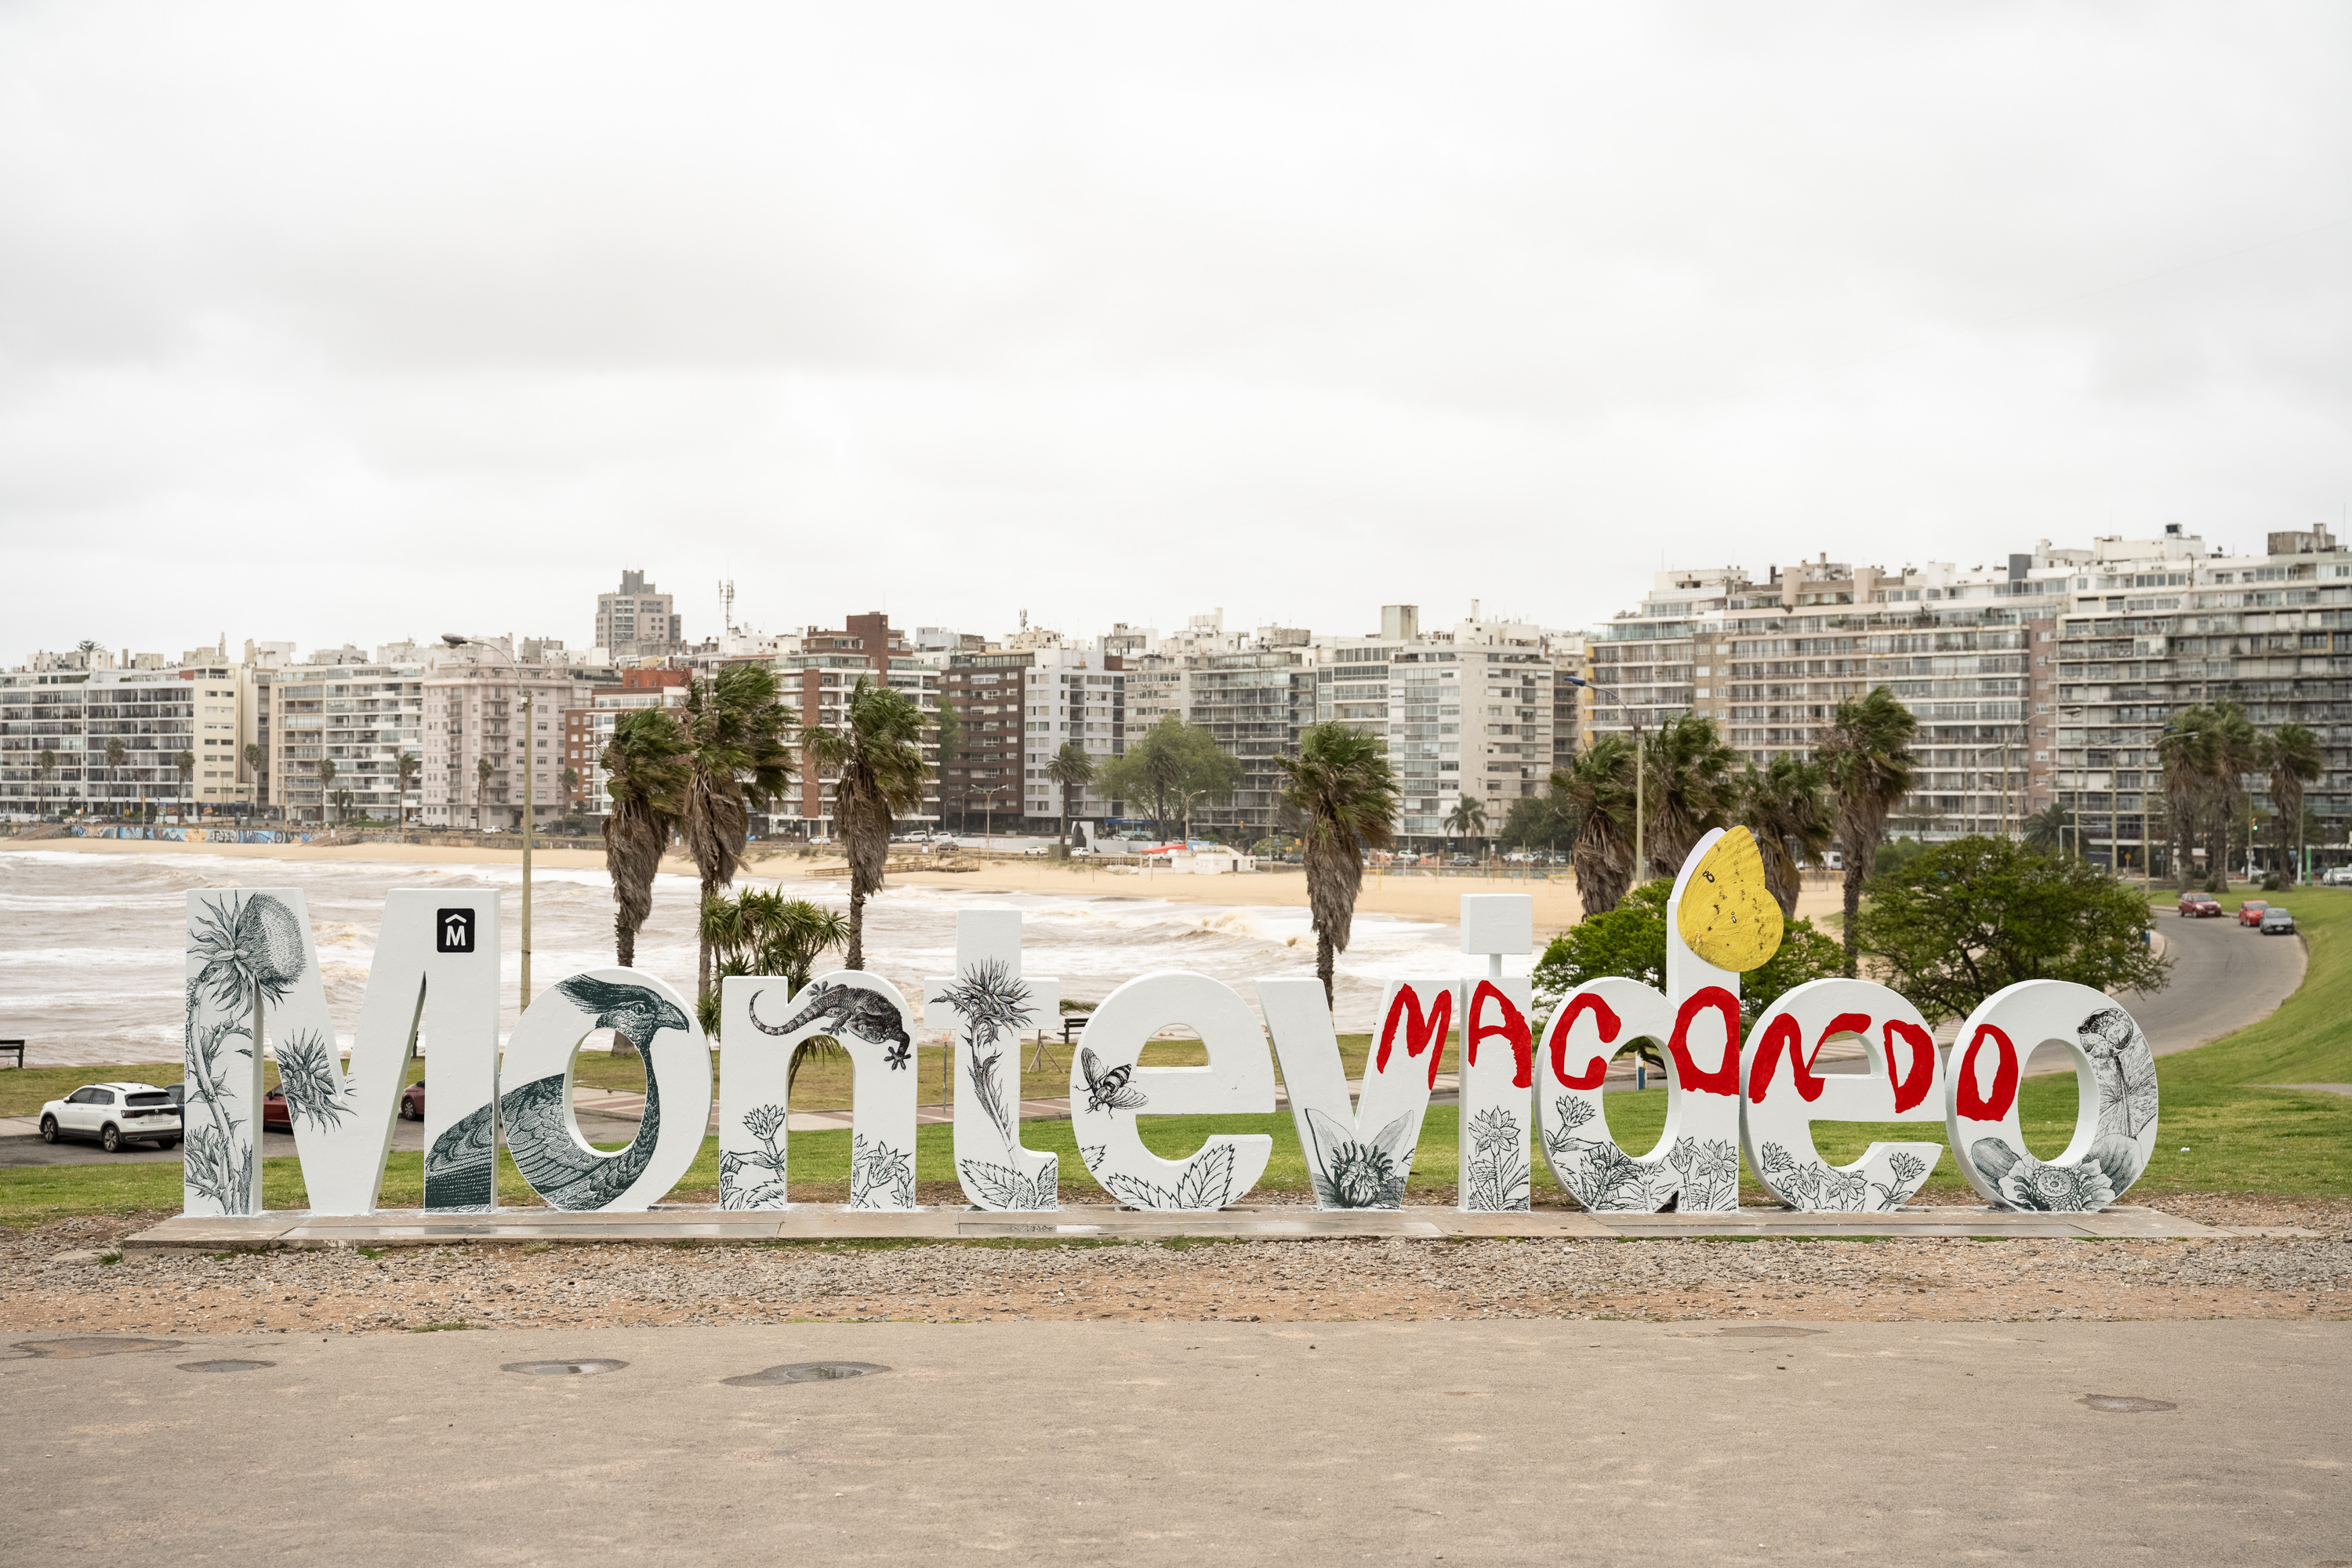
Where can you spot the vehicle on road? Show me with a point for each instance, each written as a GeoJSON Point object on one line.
{"type": "Point", "coordinates": [2337, 877]}
{"type": "Point", "coordinates": [2277, 922]}
{"type": "Point", "coordinates": [113, 1115]}
{"type": "Point", "coordinates": [2249, 912]}
{"type": "Point", "coordinates": [2198, 906]}
{"type": "Point", "coordinates": [412, 1102]}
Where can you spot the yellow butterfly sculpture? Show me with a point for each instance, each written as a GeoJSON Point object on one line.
{"type": "Point", "coordinates": [1727, 915]}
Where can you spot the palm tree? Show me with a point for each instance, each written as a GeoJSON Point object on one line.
{"type": "Point", "coordinates": [769, 934]}
{"type": "Point", "coordinates": [569, 779]}
{"type": "Point", "coordinates": [1072, 769]}
{"type": "Point", "coordinates": [253, 757]}
{"type": "Point", "coordinates": [44, 768]}
{"type": "Point", "coordinates": [405, 771]}
{"type": "Point", "coordinates": [482, 771]}
{"type": "Point", "coordinates": [737, 752]}
{"type": "Point", "coordinates": [647, 785]}
{"type": "Point", "coordinates": [2186, 751]}
{"type": "Point", "coordinates": [184, 764]}
{"type": "Point", "coordinates": [1597, 785]}
{"type": "Point", "coordinates": [2237, 748]}
{"type": "Point", "coordinates": [2046, 829]}
{"type": "Point", "coordinates": [326, 784]}
{"type": "Point", "coordinates": [1868, 759]}
{"type": "Point", "coordinates": [343, 806]}
{"type": "Point", "coordinates": [1468, 817]}
{"type": "Point", "coordinates": [1690, 789]}
{"type": "Point", "coordinates": [2293, 757]}
{"type": "Point", "coordinates": [1786, 805]}
{"type": "Point", "coordinates": [878, 755]}
{"type": "Point", "coordinates": [115, 753]}
{"type": "Point", "coordinates": [1345, 793]}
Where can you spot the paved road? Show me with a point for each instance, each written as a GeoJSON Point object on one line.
{"type": "Point", "coordinates": [2225, 976]}
{"type": "Point", "coordinates": [1146, 1444]}
{"type": "Point", "coordinates": [25, 1148]}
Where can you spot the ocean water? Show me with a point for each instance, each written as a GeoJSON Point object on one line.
{"type": "Point", "coordinates": [91, 964]}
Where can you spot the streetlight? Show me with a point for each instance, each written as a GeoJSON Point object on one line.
{"type": "Point", "coordinates": [505, 647]}
{"type": "Point", "coordinates": [1638, 769]}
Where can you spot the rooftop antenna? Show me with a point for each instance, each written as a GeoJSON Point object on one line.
{"type": "Point", "coordinates": [726, 603]}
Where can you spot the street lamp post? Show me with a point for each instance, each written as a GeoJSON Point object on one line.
{"type": "Point", "coordinates": [506, 646]}
{"type": "Point", "coordinates": [1640, 764]}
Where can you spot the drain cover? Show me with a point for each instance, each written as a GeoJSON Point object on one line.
{"type": "Point", "coordinates": [78, 1346]}
{"type": "Point", "coordinates": [1765, 1332]}
{"type": "Point", "coordinates": [806, 1371]}
{"type": "Point", "coordinates": [562, 1368]}
{"type": "Point", "coordinates": [225, 1365]}
{"type": "Point", "coordinates": [2126, 1403]}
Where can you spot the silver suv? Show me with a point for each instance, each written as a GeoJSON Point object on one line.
{"type": "Point", "coordinates": [114, 1114]}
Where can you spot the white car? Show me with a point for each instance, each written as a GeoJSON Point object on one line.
{"type": "Point", "coordinates": [114, 1114]}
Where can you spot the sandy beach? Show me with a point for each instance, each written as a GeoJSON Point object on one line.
{"type": "Point", "coordinates": [1407, 895]}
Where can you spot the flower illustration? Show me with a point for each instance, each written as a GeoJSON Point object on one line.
{"type": "Point", "coordinates": [248, 943]}
{"type": "Point", "coordinates": [2057, 1189]}
{"type": "Point", "coordinates": [1351, 1173]}
{"type": "Point", "coordinates": [1493, 1127]}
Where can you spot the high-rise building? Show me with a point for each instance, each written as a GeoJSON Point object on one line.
{"type": "Point", "coordinates": [818, 679]}
{"type": "Point", "coordinates": [1070, 695]}
{"type": "Point", "coordinates": [336, 732]}
{"type": "Point", "coordinates": [127, 740]}
{"type": "Point", "coordinates": [478, 749]}
{"type": "Point", "coordinates": [587, 731]}
{"type": "Point", "coordinates": [638, 621]}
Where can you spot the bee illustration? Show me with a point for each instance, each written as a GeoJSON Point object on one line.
{"type": "Point", "coordinates": [897, 1055]}
{"type": "Point", "coordinates": [1112, 1091]}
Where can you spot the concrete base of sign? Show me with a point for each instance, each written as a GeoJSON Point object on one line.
{"type": "Point", "coordinates": [300, 1228]}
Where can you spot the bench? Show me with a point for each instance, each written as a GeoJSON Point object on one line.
{"type": "Point", "coordinates": [16, 1046]}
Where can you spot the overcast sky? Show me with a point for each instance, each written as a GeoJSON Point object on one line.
{"type": "Point", "coordinates": [321, 323]}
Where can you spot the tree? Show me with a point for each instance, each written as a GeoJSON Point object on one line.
{"type": "Point", "coordinates": [1597, 785]}
{"type": "Point", "coordinates": [569, 779]}
{"type": "Point", "coordinates": [1345, 793]}
{"type": "Point", "coordinates": [1172, 765]}
{"type": "Point", "coordinates": [342, 798]}
{"type": "Point", "coordinates": [1072, 769]}
{"type": "Point", "coordinates": [253, 757]}
{"type": "Point", "coordinates": [2293, 755]}
{"type": "Point", "coordinates": [44, 768]}
{"type": "Point", "coordinates": [326, 785]}
{"type": "Point", "coordinates": [1543, 821]}
{"type": "Point", "coordinates": [405, 771]}
{"type": "Point", "coordinates": [2046, 829]}
{"type": "Point", "coordinates": [184, 764]}
{"type": "Point", "coordinates": [878, 755]}
{"type": "Point", "coordinates": [647, 786]}
{"type": "Point", "coordinates": [1967, 918]}
{"type": "Point", "coordinates": [2236, 752]}
{"type": "Point", "coordinates": [2186, 751]}
{"type": "Point", "coordinates": [481, 788]}
{"type": "Point", "coordinates": [769, 934]}
{"type": "Point", "coordinates": [736, 748]}
{"type": "Point", "coordinates": [1867, 758]}
{"type": "Point", "coordinates": [1630, 939]}
{"type": "Point", "coordinates": [1468, 818]}
{"type": "Point", "coordinates": [1786, 805]}
{"type": "Point", "coordinates": [116, 751]}
{"type": "Point", "coordinates": [1690, 791]}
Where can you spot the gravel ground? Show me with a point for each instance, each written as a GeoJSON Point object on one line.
{"type": "Point", "coordinates": [58, 1278]}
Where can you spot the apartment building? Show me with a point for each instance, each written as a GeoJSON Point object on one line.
{"type": "Point", "coordinates": [587, 731]}
{"type": "Point", "coordinates": [818, 679]}
{"type": "Point", "coordinates": [636, 620]}
{"type": "Point", "coordinates": [490, 737]}
{"type": "Point", "coordinates": [2152, 626]}
{"type": "Point", "coordinates": [147, 736]}
{"type": "Point", "coordinates": [1069, 694]}
{"type": "Point", "coordinates": [990, 692]}
{"type": "Point", "coordinates": [336, 733]}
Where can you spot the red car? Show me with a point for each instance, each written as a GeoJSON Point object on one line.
{"type": "Point", "coordinates": [276, 1118]}
{"type": "Point", "coordinates": [2196, 906]}
{"type": "Point", "coordinates": [2250, 913]}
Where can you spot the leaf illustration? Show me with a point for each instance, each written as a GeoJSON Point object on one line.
{"type": "Point", "coordinates": [1207, 1179]}
{"type": "Point", "coordinates": [996, 1185]}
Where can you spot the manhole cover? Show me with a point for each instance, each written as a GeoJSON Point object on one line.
{"type": "Point", "coordinates": [2126, 1403]}
{"type": "Point", "coordinates": [562, 1368]}
{"type": "Point", "coordinates": [225, 1365]}
{"type": "Point", "coordinates": [75, 1347]}
{"type": "Point", "coordinates": [806, 1371]}
{"type": "Point", "coordinates": [1765, 1332]}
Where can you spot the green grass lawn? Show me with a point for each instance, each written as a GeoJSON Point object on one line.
{"type": "Point", "coordinates": [2242, 1136]}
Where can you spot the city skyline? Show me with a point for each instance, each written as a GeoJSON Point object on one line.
{"type": "Point", "coordinates": [957, 317]}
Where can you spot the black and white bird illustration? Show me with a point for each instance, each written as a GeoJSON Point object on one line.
{"type": "Point", "coordinates": [869, 1014]}
{"type": "Point", "coordinates": [1112, 1091]}
{"type": "Point", "coordinates": [461, 1168]}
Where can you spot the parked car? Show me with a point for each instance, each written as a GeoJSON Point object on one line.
{"type": "Point", "coordinates": [113, 1114]}
{"type": "Point", "coordinates": [2249, 912]}
{"type": "Point", "coordinates": [275, 1116]}
{"type": "Point", "coordinates": [2196, 906]}
{"type": "Point", "coordinates": [2337, 877]}
{"type": "Point", "coordinates": [412, 1102]}
{"type": "Point", "coordinates": [2278, 923]}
